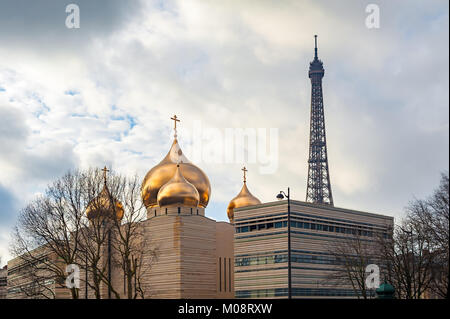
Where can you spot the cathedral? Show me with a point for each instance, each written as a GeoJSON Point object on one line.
{"type": "Point", "coordinates": [196, 256]}
{"type": "Point", "coordinates": [195, 253]}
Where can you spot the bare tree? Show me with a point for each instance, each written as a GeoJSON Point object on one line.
{"type": "Point", "coordinates": [95, 238]}
{"type": "Point", "coordinates": [409, 260]}
{"type": "Point", "coordinates": [418, 254]}
{"type": "Point", "coordinates": [129, 239]}
{"type": "Point", "coordinates": [57, 221]}
{"type": "Point", "coordinates": [115, 236]}
{"type": "Point", "coordinates": [93, 249]}
{"type": "Point", "coordinates": [432, 215]}
{"type": "Point", "coordinates": [352, 254]}
{"type": "Point", "coordinates": [52, 221]}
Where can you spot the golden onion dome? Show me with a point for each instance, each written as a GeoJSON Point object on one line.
{"type": "Point", "coordinates": [104, 205]}
{"type": "Point", "coordinates": [165, 170]}
{"type": "Point", "coordinates": [178, 192]}
{"type": "Point", "coordinates": [243, 199]}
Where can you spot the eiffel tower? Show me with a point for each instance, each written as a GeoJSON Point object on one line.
{"type": "Point", "coordinates": [318, 188]}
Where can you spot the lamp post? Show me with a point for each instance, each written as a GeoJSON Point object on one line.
{"type": "Point", "coordinates": [281, 196]}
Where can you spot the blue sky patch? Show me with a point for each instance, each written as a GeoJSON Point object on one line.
{"type": "Point", "coordinates": [71, 92]}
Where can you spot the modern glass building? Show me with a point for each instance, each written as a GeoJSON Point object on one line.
{"type": "Point", "coordinates": [261, 248]}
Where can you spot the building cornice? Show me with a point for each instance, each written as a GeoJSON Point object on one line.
{"type": "Point", "coordinates": [311, 205]}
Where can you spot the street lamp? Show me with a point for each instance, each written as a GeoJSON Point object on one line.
{"type": "Point", "coordinates": [281, 196]}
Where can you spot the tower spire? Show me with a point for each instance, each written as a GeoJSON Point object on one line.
{"type": "Point", "coordinates": [318, 186]}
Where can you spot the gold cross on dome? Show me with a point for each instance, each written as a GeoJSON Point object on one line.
{"type": "Point", "coordinates": [175, 120]}
{"type": "Point", "coordinates": [105, 170]}
{"type": "Point", "coordinates": [245, 171]}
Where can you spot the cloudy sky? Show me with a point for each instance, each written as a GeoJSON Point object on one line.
{"type": "Point", "coordinates": [103, 94]}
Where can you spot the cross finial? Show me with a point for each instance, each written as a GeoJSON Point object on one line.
{"type": "Point", "coordinates": [245, 171]}
{"type": "Point", "coordinates": [105, 170]}
{"type": "Point", "coordinates": [175, 120]}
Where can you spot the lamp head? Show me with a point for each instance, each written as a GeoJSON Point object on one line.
{"type": "Point", "coordinates": [280, 196]}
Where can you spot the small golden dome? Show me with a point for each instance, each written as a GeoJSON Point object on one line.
{"type": "Point", "coordinates": [243, 199]}
{"type": "Point", "coordinates": [165, 170]}
{"type": "Point", "coordinates": [178, 192]}
{"type": "Point", "coordinates": [104, 205]}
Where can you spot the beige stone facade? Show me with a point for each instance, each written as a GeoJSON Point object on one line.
{"type": "Point", "coordinates": [26, 281]}
{"type": "Point", "coordinates": [194, 260]}
{"type": "Point", "coordinates": [192, 250]}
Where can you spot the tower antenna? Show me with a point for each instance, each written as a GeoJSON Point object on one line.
{"type": "Point", "coordinates": [315, 47]}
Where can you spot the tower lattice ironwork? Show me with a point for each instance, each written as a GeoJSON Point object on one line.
{"type": "Point", "coordinates": [319, 187]}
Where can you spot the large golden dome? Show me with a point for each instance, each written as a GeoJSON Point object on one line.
{"type": "Point", "coordinates": [178, 192]}
{"type": "Point", "coordinates": [104, 205]}
{"type": "Point", "coordinates": [243, 199]}
{"type": "Point", "coordinates": [165, 170]}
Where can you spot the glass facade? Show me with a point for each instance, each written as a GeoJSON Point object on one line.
{"type": "Point", "coordinates": [261, 249]}
{"type": "Point", "coordinates": [307, 223]}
